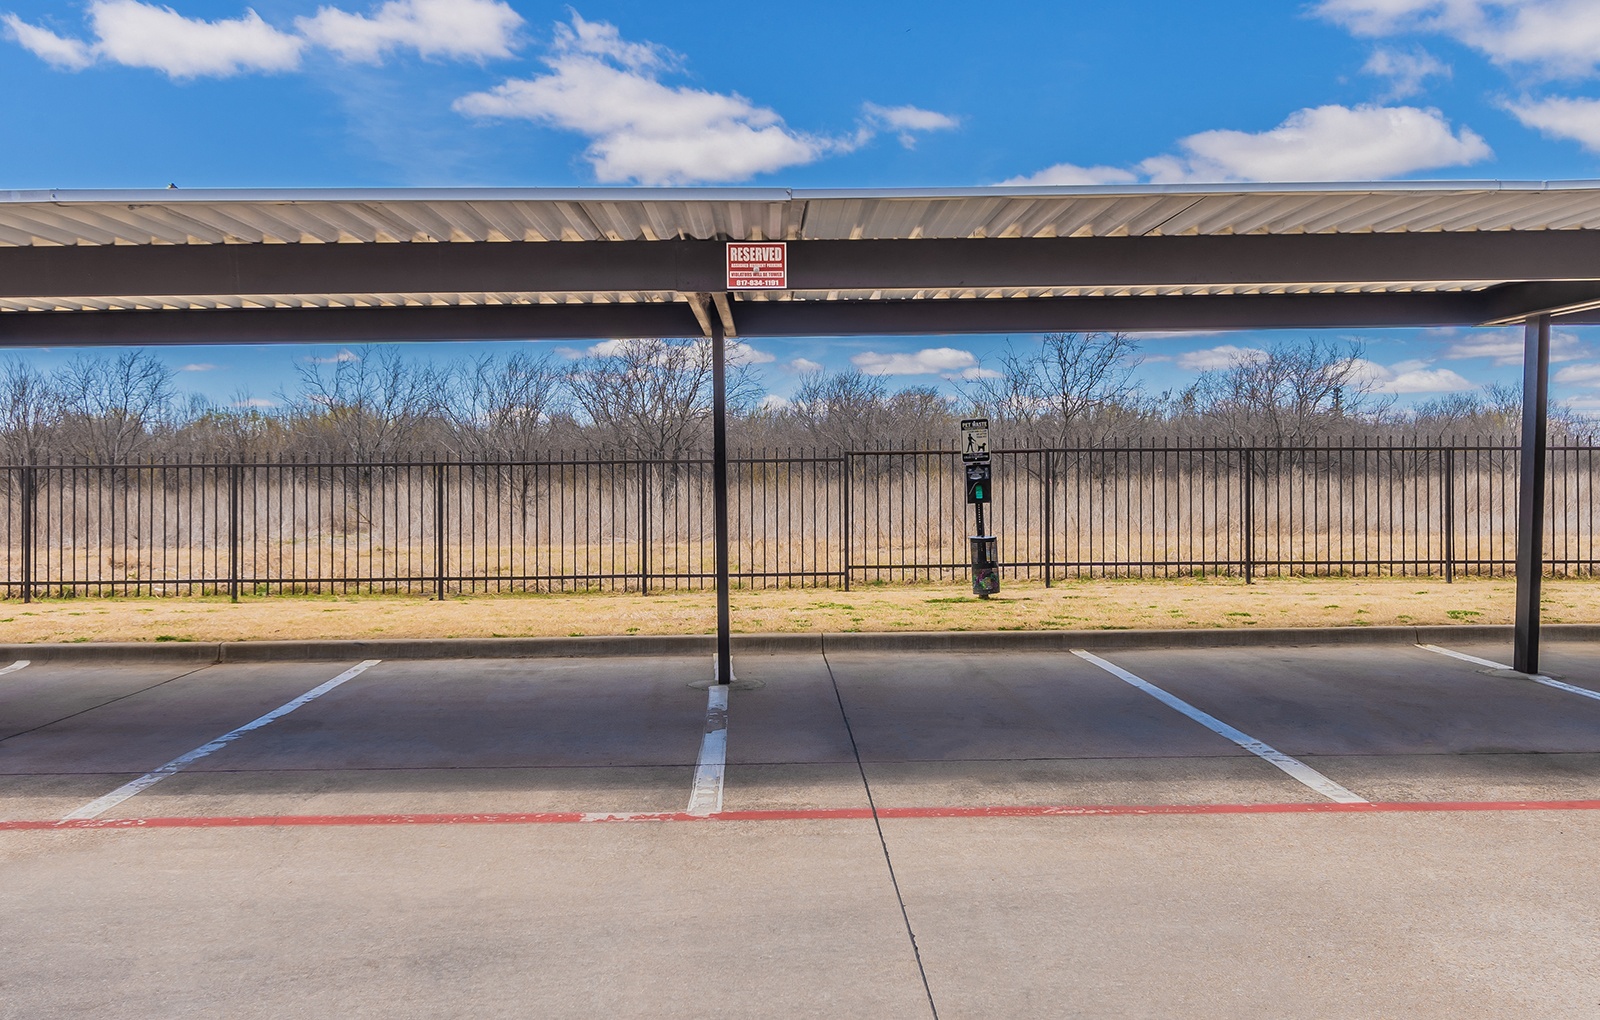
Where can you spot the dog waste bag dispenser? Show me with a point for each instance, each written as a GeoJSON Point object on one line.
{"type": "Point", "coordinates": [980, 490]}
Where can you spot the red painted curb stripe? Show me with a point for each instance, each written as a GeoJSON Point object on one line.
{"type": "Point", "coordinates": [798, 815]}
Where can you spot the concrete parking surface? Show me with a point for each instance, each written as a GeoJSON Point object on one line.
{"type": "Point", "coordinates": [1267, 832]}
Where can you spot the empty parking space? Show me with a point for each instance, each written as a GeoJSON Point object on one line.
{"type": "Point", "coordinates": [443, 838]}
{"type": "Point", "coordinates": [1396, 723]}
{"type": "Point", "coordinates": [1034, 729]}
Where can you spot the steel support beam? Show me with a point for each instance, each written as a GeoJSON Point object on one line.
{"type": "Point", "coordinates": [719, 494]}
{"type": "Point", "coordinates": [1530, 494]}
{"type": "Point", "coordinates": [867, 264]}
{"type": "Point", "coordinates": [348, 325]}
{"type": "Point", "coordinates": [1044, 315]}
{"type": "Point", "coordinates": [754, 319]}
{"type": "Point", "coordinates": [1514, 303]}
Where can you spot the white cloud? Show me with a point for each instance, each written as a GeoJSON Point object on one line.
{"type": "Point", "coordinates": [1505, 347]}
{"type": "Point", "coordinates": [737, 351]}
{"type": "Point", "coordinates": [66, 54]}
{"type": "Point", "coordinates": [334, 359]}
{"type": "Point", "coordinates": [741, 353]}
{"type": "Point", "coordinates": [609, 90]}
{"type": "Point", "coordinates": [1409, 377]}
{"type": "Point", "coordinates": [606, 348]}
{"type": "Point", "coordinates": [773, 402]}
{"type": "Point", "coordinates": [1224, 356]}
{"type": "Point", "coordinates": [137, 34]}
{"type": "Point", "coordinates": [1406, 69]}
{"type": "Point", "coordinates": [803, 365]}
{"type": "Point", "coordinates": [1576, 120]}
{"type": "Point", "coordinates": [908, 120]}
{"type": "Point", "coordinates": [1560, 37]}
{"type": "Point", "coordinates": [1070, 174]}
{"type": "Point", "coordinates": [202, 366]}
{"type": "Point", "coordinates": [254, 402]}
{"type": "Point", "coordinates": [463, 29]}
{"type": "Point", "coordinates": [1581, 375]}
{"type": "Point", "coordinates": [948, 362]}
{"type": "Point", "coordinates": [1323, 143]}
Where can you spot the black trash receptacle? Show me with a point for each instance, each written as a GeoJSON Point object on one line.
{"type": "Point", "coordinates": [985, 565]}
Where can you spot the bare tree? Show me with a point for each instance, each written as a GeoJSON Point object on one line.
{"type": "Point", "coordinates": [499, 407]}
{"type": "Point", "coordinates": [1286, 393]}
{"type": "Point", "coordinates": [651, 398]}
{"type": "Point", "coordinates": [1052, 394]}
{"type": "Point", "coordinates": [369, 404]}
{"type": "Point", "coordinates": [113, 408]}
{"type": "Point", "coordinates": [842, 410]}
{"type": "Point", "coordinates": [30, 412]}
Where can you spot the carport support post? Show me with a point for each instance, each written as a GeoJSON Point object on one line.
{"type": "Point", "coordinates": [719, 491]}
{"type": "Point", "coordinates": [1530, 495]}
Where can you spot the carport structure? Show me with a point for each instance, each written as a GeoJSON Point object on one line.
{"type": "Point", "coordinates": [311, 266]}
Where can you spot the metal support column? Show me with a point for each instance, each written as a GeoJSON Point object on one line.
{"type": "Point", "coordinates": [1530, 495]}
{"type": "Point", "coordinates": [719, 492]}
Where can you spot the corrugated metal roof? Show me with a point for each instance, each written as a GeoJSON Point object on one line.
{"type": "Point", "coordinates": [488, 215]}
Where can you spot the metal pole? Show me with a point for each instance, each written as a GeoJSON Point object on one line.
{"type": "Point", "coordinates": [235, 517]}
{"type": "Point", "coordinates": [1449, 455]}
{"type": "Point", "coordinates": [1049, 511]}
{"type": "Point", "coordinates": [719, 493]}
{"type": "Point", "coordinates": [644, 527]}
{"type": "Point", "coordinates": [847, 511]}
{"type": "Point", "coordinates": [438, 530]}
{"type": "Point", "coordinates": [1247, 461]}
{"type": "Point", "coordinates": [29, 489]}
{"type": "Point", "coordinates": [1530, 495]}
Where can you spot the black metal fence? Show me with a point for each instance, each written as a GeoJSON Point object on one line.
{"type": "Point", "coordinates": [569, 523]}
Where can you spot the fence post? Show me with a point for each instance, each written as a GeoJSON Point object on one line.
{"type": "Point", "coordinates": [1449, 458]}
{"type": "Point", "coordinates": [235, 539]}
{"type": "Point", "coordinates": [644, 527]}
{"type": "Point", "coordinates": [1247, 463]}
{"type": "Point", "coordinates": [29, 493]}
{"type": "Point", "coordinates": [1049, 511]}
{"type": "Point", "coordinates": [844, 485]}
{"type": "Point", "coordinates": [438, 529]}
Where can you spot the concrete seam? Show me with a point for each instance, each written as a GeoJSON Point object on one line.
{"type": "Point", "coordinates": [877, 822]}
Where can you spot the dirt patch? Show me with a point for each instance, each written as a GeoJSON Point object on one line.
{"type": "Point", "coordinates": [1077, 605]}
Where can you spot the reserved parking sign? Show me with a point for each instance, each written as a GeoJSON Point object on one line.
{"type": "Point", "coordinates": [758, 265]}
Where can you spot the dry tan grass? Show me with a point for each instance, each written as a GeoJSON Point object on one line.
{"type": "Point", "coordinates": [1083, 605]}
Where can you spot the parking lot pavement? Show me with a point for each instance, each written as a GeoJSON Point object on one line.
{"type": "Point", "coordinates": [75, 733]}
{"type": "Point", "coordinates": [1324, 916]}
{"type": "Point", "coordinates": [691, 920]}
{"type": "Point", "coordinates": [1042, 728]}
{"type": "Point", "coordinates": [1397, 723]}
{"type": "Point", "coordinates": [439, 838]}
{"type": "Point", "coordinates": [789, 747]}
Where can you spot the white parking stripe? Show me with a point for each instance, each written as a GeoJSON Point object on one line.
{"type": "Point", "coordinates": [100, 806]}
{"type": "Point", "coordinates": [706, 798]}
{"type": "Point", "coordinates": [1536, 678]}
{"type": "Point", "coordinates": [1293, 767]}
{"type": "Point", "coordinates": [20, 663]}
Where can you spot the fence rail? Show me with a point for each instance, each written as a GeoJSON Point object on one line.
{"type": "Point", "coordinates": [824, 520]}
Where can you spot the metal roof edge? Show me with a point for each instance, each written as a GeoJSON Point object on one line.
{"type": "Point", "coordinates": [174, 196]}
{"type": "Point", "coordinates": [149, 196]}
{"type": "Point", "coordinates": [1252, 188]}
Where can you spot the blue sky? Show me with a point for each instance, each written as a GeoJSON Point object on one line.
{"type": "Point", "coordinates": [349, 93]}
